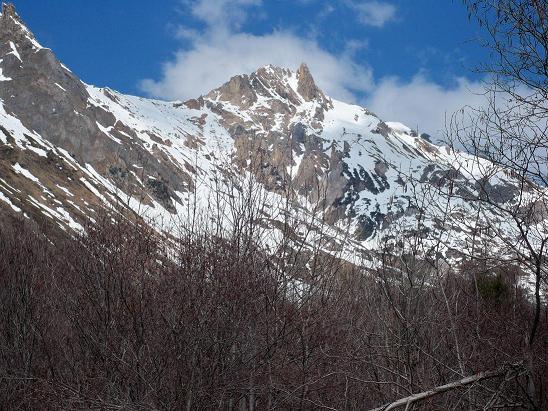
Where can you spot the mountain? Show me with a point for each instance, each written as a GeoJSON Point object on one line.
{"type": "Point", "coordinates": [333, 170]}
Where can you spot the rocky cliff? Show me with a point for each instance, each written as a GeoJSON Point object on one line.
{"type": "Point", "coordinates": [68, 149]}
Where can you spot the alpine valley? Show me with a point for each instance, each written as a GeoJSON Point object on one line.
{"type": "Point", "coordinates": [333, 175]}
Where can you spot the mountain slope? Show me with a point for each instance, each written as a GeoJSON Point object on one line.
{"type": "Point", "coordinates": [68, 149]}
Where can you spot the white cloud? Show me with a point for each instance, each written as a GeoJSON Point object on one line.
{"type": "Point", "coordinates": [374, 13]}
{"type": "Point", "coordinates": [221, 51]}
{"type": "Point", "coordinates": [213, 60]}
{"type": "Point", "coordinates": [222, 13]}
{"type": "Point", "coordinates": [422, 103]}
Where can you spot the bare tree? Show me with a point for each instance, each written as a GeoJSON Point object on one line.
{"type": "Point", "coordinates": [511, 133]}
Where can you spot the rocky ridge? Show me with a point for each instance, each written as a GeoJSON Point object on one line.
{"type": "Point", "coordinates": [68, 149]}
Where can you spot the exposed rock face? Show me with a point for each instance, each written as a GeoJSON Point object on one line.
{"type": "Point", "coordinates": [51, 101]}
{"type": "Point", "coordinates": [306, 85]}
{"type": "Point", "coordinates": [238, 91]}
{"type": "Point", "coordinates": [8, 10]}
{"type": "Point", "coordinates": [68, 148]}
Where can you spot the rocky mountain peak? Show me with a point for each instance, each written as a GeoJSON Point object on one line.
{"type": "Point", "coordinates": [13, 29]}
{"type": "Point", "coordinates": [10, 20]}
{"type": "Point", "coordinates": [271, 82]}
{"type": "Point", "coordinates": [67, 148]}
{"type": "Point", "coordinates": [306, 85]}
{"type": "Point", "coordinates": [8, 10]}
{"type": "Point", "coordinates": [237, 91]}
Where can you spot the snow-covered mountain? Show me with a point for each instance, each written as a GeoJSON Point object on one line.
{"type": "Point", "coordinates": [68, 149]}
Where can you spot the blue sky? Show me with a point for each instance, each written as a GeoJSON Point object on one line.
{"type": "Point", "coordinates": [406, 60]}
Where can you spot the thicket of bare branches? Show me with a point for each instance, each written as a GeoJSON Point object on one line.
{"type": "Point", "coordinates": [511, 132]}
{"type": "Point", "coordinates": [111, 320]}
{"type": "Point", "coordinates": [213, 319]}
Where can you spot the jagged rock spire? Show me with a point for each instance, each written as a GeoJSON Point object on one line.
{"type": "Point", "coordinates": [8, 10]}
{"type": "Point", "coordinates": [9, 18]}
{"type": "Point", "coordinates": [13, 28]}
{"type": "Point", "coordinates": [306, 85]}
